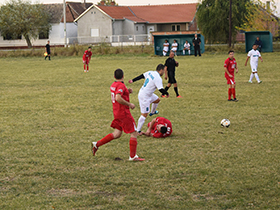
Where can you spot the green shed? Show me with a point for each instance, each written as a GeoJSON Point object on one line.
{"type": "Point", "coordinates": [180, 38]}
{"type": "Point", "coordinates": [265, 37]}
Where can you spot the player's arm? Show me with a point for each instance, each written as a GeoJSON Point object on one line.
{"type": "Point", "coordinates": [149, 130]}
{"type": "Point", "coordinates": [164, 92]}
{"type": "Point", "coordinates": [165, 72]}
{"type": "Point", "coordinates": [120, 100]}
{"type": "Point", "coordinates": [261, 59]}
{"type": "Point", "coordinates": [226, 70]}
{"type": "Point", "coordinates": [137, 78]}
{"type": "Point", "coordinates": [247, 60]}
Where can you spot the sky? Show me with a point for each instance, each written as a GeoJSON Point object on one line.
{"type": "Point", "coordinates": [139, 2]}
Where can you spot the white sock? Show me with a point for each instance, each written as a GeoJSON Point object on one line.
{"type": "Point", "coordinates": [257, 77]}
{"type": "Point", "coordinates": [154, 107]}
{"type": "Point", "coordinates": [164, 53]}
{"type": "Point", "coordinates": [251, 77]}
{"type": "Point", "coordinates": [141, 122]}
{"type": "Point", "coordinates": [183, 52]}
{"type": "Point", "coordinates": [189, 52]}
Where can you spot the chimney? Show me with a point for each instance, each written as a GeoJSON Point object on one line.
{"type": "Point", "coordinates": [84, 3]}
{"type": "Point", "coordinates": [112, 3]}
{"type": "Point", "coordinates": [102, 3]}
{"type": "Point", "coordinates": [268, 5]}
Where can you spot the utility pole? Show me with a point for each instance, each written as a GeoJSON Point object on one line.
{"type": "Point", "coordinates": [229, 36]}
{"type": "Point", "coordinates": [64, 20]}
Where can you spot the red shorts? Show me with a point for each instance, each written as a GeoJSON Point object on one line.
{"type": "Point", "coordinates": [86, 62]}
{"type": "Point", "coordinates": [230, 80]}
{"type": "Point", "coordinates": [126, 124]}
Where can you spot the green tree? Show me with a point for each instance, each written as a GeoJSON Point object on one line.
{"type": "Point", "coordinates": [213, 18]}
{"type": "Point", "coordinates": [108, 2]}
{"type": "Point", "coordinates": [23, 18]}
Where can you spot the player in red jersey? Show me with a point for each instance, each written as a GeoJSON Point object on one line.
{"type": "Point", "coordinates": [229, 66]}
{"type": "Point", "coordinates": [86, 58]}
{"type": "Point", "coordinates": [123, 120]}
{"type": "Point", "coordinates": [159, 127]}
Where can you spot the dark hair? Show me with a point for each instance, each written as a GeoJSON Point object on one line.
{"type": "Point", "coordinates": [160, 67]}
{"type": "Point", "coordinates": [118, 74]}
{"type": "Point", "coordinates": [230, 51]}
{"type": "Point", "coordinates": [163, 129]}
{"type": "Point", "coordinates": [89, 47]}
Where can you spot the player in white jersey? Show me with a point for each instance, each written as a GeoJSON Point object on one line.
{"type": "Point", "coordinates": [146, 94]}
{"type": "Point", "coordinates": [165, 48]}
{"type": "Point", "coordinates": [174, 47]}
{"type": "Point", "coordinates": [254, 56]}
{"type": "Point", "coordinates": [187, 46]}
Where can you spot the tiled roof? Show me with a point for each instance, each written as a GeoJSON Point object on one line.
{"type": "Point", "coordinates": [116, 12]}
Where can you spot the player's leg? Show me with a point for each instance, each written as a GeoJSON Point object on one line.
{"type": "Point", "coordinates": [195, 51]}
{"type": "Point", "coordinates": [257, 77]}
{"type": "Point", "coordinates": [184, 52]}
{"type": "Point", "coordinates": [145, 109]}
{"type": "Point", "coordinates": [133, 147]}
{"type": "Point", "coordinates": [141, 122]}
{"type": "Point", "coordinates": [189, 52]}
{"type": "Point", "coordinates": [251, 78]}
{"type": "Point", "coordinates": [84, 62]}
{"type": "Point", "coordinates": [155, 101]}
{"type": "Point", "coordinates": [176, 90]}
{"type": "Point", "coordinates": [87, 67]}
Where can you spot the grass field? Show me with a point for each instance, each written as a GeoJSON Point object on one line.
{"type": "Point", "coordinates": [51, 111]}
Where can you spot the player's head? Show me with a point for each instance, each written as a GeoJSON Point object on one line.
{"type": "Point", "coordinates": [48, 41]}
{"type": "Point", "coordinates": [175, 41]}
{"type": "Point", "coordinates": [118, 74]}
{"type": "Point", "coordinates": [186, 41]}
{"type": "Point", "coordinates": [258, 38]}
{"type": "Point", "coordinates": [171, 55]}
{"type": "Point", "coordinates": [160, 69]}
{"type": "Point", "coordinates": [89, 48]}
{"type": "Point", "coordinates": [195, 35]}
{"type": "Point", "coordinates": [161, 128]}
{"type": "Point", "coordinates": [255, 46]}
{"type": "Point", "coordinates": [166, 41]}
{"type": "Point", "coordinates": [231, 54]}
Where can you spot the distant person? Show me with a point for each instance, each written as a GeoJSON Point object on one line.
{"type": "Point", "coordinates": [165, 48]}
{"type": "Point", "coordinates": [187, 47]}
{"type": "Point", "coordinates": [258, 42]}
{"type": "Point", "coordinates": [254, 56]}
{"type": "Point", "coordinates": [48, 50]}
{"type": "Point", "coordinates": [123, 120]}
{"type": "Point", "coordinates": [229, 66]}
{"type": "Point", "coordinates": [159, 127]}
{"type": "Point", "coordinates": [169, 71]}
{"type": "Point", "coordinates": [196, 44]}
{"type": "Point", "coordinates": [86, 59]}
{"type": "Point", "coordinates": [174, 47]}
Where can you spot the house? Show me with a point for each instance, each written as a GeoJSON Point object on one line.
{"type": "Point", "coordinates": [102, 23]}
{"type": "Point", "coordinates": [56, 34]}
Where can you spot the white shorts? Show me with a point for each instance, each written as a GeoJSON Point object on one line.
{"type": "Point", "coordinates": [174, 49]}
{"type": "Point", "coordinates": [145, 103]}
{"type": "Point", "coordinates": [254, 68]}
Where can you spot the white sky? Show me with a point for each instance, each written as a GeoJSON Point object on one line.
{"type": "Point", "coordinates": [140, 2]}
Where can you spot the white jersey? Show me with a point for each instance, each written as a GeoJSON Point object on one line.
{"type": "Point", "coordinates": [152, 82]}
{"type": "Point", "coordinates": [254, 57]}
{"type": "Point", "coordinates": [187, 46]}
{"type": "Point", "coordinates": [174, 46]}
{"type": "Point", "coordinates": [166, 46]}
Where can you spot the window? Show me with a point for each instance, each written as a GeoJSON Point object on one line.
{"type": "Point", "coordinates": [94, 32]}
{"type": "Point", "coordinates": [43, 35]}
{"type": "Point", "coordinates": [143, 28]}
{"type": "Point", "coordinates": [136, 28]}
{"type": "Point", "coordinates": [175, 27]}
{"type": "Point", "coordinates": [10, 37]}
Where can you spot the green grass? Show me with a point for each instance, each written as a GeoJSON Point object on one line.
{"type": "Point", "coordinates": [51, 111]}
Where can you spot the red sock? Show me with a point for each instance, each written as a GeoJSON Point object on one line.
{"type": "Point", "coordinates": [233, 92]}
{"type": "Point", "coordinates": [132, 146]}
{"type": "Point", "coordinates": [229, 93]}
{"type": "Point", "coordinates": [87, 67]}
{"type": "Point", "coordinates": [84, 67]}
{"type": "Point", "coordinates": [105, 140]}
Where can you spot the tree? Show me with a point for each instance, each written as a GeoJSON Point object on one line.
{"type": "Point", "coordinates": [213, 18]}
{"type": "Point", "coordinates": [107, 2]}
{"type": "Point", "coordinates": [23, 18]}
{"type": "Point", "coordinates": [260, 19]}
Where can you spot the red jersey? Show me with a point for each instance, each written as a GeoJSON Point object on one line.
{"type": "Point", "coordinates": [119, 110]}
{"type": "Point", "coordinates": [166, 123]}
{"type": "Point", "coordinates": [230, 65]}
{"type": "Point", "coordinates": [87, 55]}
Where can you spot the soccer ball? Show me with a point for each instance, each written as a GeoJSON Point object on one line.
{"type": "Point", "coordinates": [225, 123]}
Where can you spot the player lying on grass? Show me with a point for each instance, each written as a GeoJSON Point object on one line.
{"type": "Point", "coordinates": [159, 127]}
{"type": "Point", "coordinates": [146, 94]}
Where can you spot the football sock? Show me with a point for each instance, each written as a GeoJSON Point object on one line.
{"type": "Point", "coordinates": [84, 67]}
{"type": "Point", "coordinates": [176, 91]}
{"type": "Point", "coordinates": [257, 77]}
{"type": "Point", "coordinates": [132, 146]}
{"type": "Point", "coordinates": [251, 77]}
{"type": "Point", "coordinates": [154, 107]}
{"type": "Point", "coordinates": [141, 122]}
{"type": "Point", "coordinates": [164, 53]}
{"type": "Point", "coordinates": [105, 140]}
{"type": "Point", "coordinates": [229, 93]}
{"type": "Point", "coordinates": [183, 52]}
{"type": "Point", "coordinates": [189, 52]}
{"type": "Point", "coordinates": [233, 92]}
{"type": "Point", "coordinates": [87, 67]}
{"type": "Point", "coordinates": [166, 88]}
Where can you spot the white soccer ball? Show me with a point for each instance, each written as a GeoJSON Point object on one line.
{"type": "Point", "coordinates": [225, 123]}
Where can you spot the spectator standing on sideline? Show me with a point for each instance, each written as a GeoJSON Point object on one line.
{"type": "Point", "coordinates": [258, 42]}
{"type": "Point", "coordinates": [169, 70]}
{"type": "Point", "coordinates": [254, 56]}
{"type": "Point", "coordinates": [174, 47]}
{"type": "Point", "coordinates": [86, 59]}
{"type": "Point", "coordinates": [123, 120]}
{"type": "Point", "coordinates": [48, 50]}
{"type": "Point", "coordinates": [146, 94]}
{"type": "Point", "coordinates": [165, 48]}
{"type": "Point", "coordinates": [187, 46]}
{"type": "Point", "coordinates": [159, 127]}
{"type": "Point", "coordinates": [229, 66]}
{"type": "Point", "coordinates": [196, 43]}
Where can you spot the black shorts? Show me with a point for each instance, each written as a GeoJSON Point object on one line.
{"type": "Point", "coordinates": [171, 77]}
